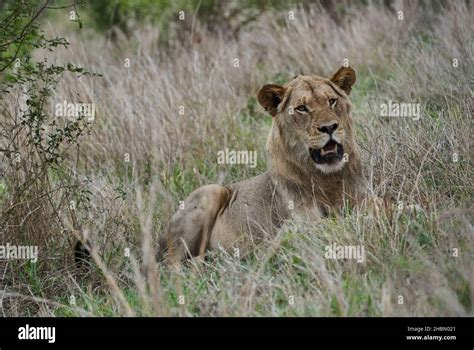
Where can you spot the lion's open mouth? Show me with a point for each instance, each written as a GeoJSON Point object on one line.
{"type": "Point", "coordinates": [332, 152]}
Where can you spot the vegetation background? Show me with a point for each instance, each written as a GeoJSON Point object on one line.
{"type": "Point", "coordinates": [114, 183]}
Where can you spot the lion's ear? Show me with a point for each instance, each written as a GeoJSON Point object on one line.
{"type": "Point", "coordinates": [345, 77]}
{"type": "Point", "coordinates": [270, 96]}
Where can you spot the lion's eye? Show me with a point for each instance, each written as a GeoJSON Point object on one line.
{"type": "Point", "coordinates": [332, 102]}
{"type": "Point", "coordinates": [302, 109]}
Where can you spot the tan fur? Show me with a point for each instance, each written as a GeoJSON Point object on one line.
{"type": "Point", "coordinates": [242, 214]}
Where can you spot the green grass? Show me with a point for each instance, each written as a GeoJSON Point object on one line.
{"type": "Point", "coordinates": [225, 284]}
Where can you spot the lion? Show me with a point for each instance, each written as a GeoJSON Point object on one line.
{"type": "Point", "coordinates": [314, 170]}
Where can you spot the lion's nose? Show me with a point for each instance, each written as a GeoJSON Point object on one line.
{"type": "Point", "coordinates": [329, 129]}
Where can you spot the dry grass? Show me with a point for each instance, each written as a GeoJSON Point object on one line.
{"type": "Point", "coordinates": [171, 154]}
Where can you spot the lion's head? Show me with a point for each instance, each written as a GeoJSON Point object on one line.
{"type": "Point", "coordinates": [312, 121]}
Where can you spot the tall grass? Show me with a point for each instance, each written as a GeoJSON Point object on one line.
{"type": "Point", "coordinates": [172, 153]}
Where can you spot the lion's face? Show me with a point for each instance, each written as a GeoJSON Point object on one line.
{"type": "Point", "coordinates": [313, 115]}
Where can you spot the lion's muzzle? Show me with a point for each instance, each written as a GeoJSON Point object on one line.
{"type": "Point", "coordinates": [331, 153]}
